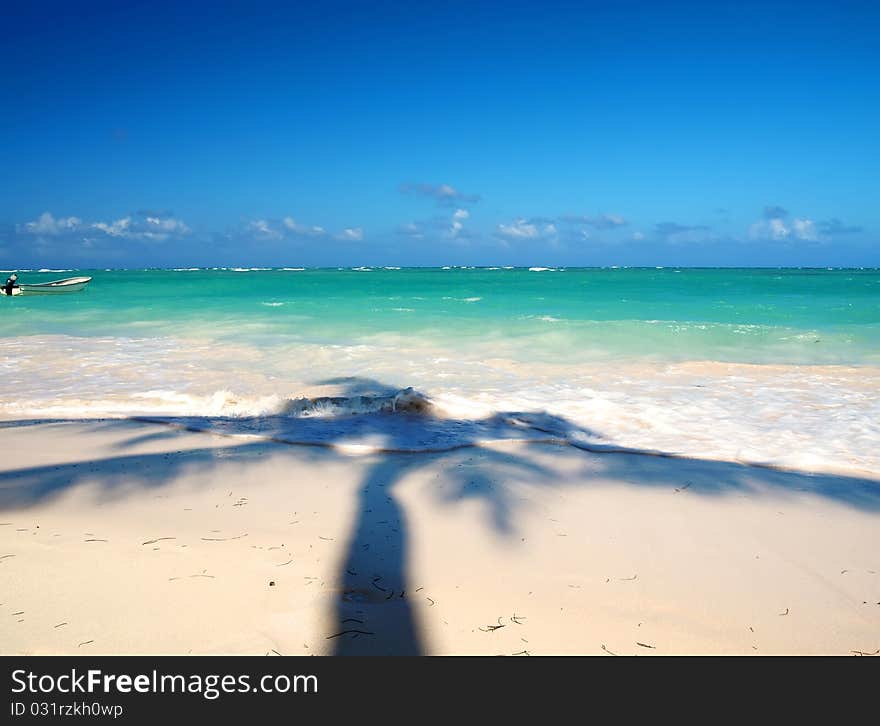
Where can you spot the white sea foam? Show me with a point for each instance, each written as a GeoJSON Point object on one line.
{"type": "Point", "coordinates": [807, 417]}
{"type": "Point", "coordinates": [542, 269]}
{"type": "Point", "coordinates": [293, 269]}
{"type": "Point", "coordinates": [542, 318]}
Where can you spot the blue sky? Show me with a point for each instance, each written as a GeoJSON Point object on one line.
{"type": "Point", "coordinates": [135, 134]}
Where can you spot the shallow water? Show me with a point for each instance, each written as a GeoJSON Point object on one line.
{"type": "Point", "coordinates": [778, 366]}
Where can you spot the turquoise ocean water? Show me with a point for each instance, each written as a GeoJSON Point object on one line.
{"type": "Point", "coordinates": [760, 364]}
{"type": "Point", "coordinates": [754, 316]}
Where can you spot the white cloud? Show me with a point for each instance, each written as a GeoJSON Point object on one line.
{"type": "Point", "coordinates": [150, 228]}
{"type": "Point", "coordinates": [441, 226]}
{"type": "Point", "coordinates": [520, 229]}
{"type": "Point", "coordinates": [354, 234]}
{"type": "Point", "coordinates": [289, 223]}
{"type": "Point", "coordinates": [457, 226]}
{"type": "Point", "coordinates": [47, 224]}
{"type": "Point", "coordinates": [261, 229]}
{"type": "Point", "coordinates": [524, 229]}
{"type": "Point", "coordinates": [776, 228]}
{"type": "Point", "coordinates": [162, 228]}
{"type": "Point", "coordinates": [273, 230]}
{"type": "Point", "coordinates": [289, 229]}
{"type": "Point", "coordinates": [805, 229]}
{"type": "Point", "coordinates": [119, 228]}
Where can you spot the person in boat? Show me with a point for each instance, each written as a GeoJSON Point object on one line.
{"type": "Point", "coordinates": [10, 283]}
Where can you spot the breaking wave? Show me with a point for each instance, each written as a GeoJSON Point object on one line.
{"type": "Point", "coordinates": [406, 400]}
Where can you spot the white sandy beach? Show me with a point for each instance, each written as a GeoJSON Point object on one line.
{"type": "Point", "coordinates": [125, 537]}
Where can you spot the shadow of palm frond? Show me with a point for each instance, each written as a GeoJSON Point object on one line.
{"type": "Point", "coordinates": [397, 428]}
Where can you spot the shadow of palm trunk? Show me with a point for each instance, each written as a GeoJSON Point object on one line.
{"type": "Point", "coordinates": [373, 614]}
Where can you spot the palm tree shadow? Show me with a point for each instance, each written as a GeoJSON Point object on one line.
{"type": "Point", "coordinates": [373, 613]}
{"type": "Point", "coordinates": [373, 608]}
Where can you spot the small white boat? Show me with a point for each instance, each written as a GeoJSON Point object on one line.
{"type": "Point", "coordinates": [69, 284]}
